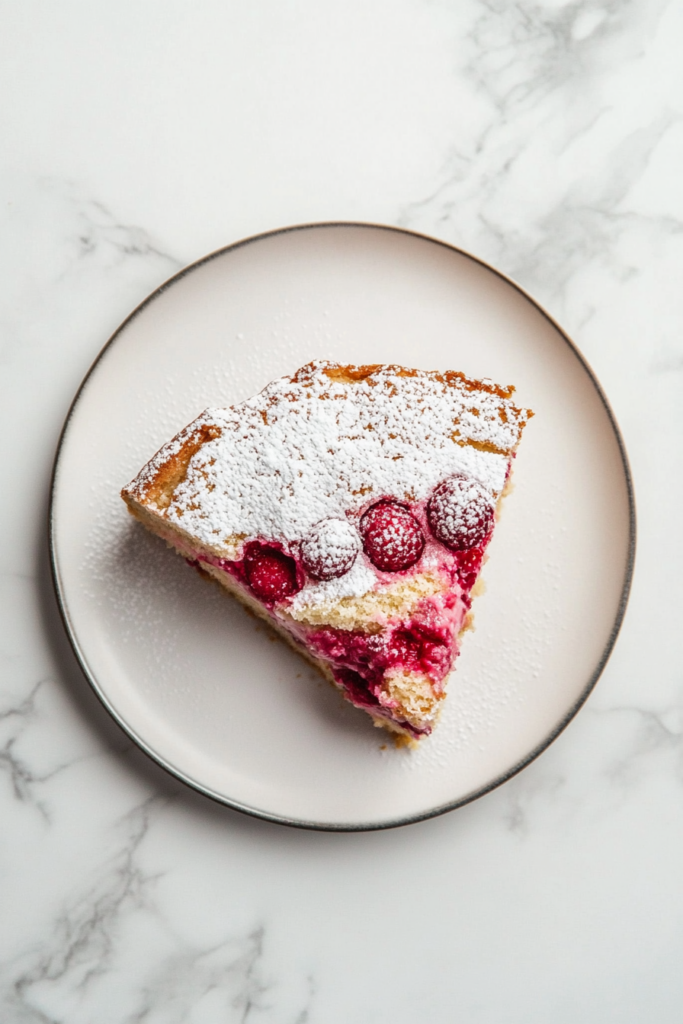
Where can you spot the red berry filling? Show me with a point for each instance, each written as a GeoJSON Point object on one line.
{"type": "Point", "coordinates": [360, 661]}
{"type": "Point", "coordinates": [467, 565]}
{"type": "Point", "coordinates": [356, 689]}
{"type": "Point", "coordinates": [424, 645]}
{"type": "Point", "coordinates": [392, 537]}
{"type": "Point", "coordinates": [460, 513]}
{"type": "Point", "coordinates": [271, 574]}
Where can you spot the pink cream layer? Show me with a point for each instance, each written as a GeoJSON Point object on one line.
{"type": "Point", "coordinates": [426, 642]}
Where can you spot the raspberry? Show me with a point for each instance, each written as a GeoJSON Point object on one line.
{"type": "Point", "coordinates": [330, 549]}
{"type": "Point", "coordinates": [460, 513]}
{"type": "Point", "coordinates": [270, 573]}
{"type": "Point", "coordinates": [392, 537]}
{"type": "Point", "coordinates": [467, 566]}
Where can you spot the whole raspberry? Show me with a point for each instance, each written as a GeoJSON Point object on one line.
{"type": "Point", "coordinates": [460, 513]}
{"type": "Point", "coordinates": [330, 549]}
{"type": "Point", "coordinates": [270, 573]}
{"type": "Point", "coordinates": [392, 537]}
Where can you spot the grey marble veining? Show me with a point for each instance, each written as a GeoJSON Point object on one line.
{"type": "Point", "coordinates": [544, 136]}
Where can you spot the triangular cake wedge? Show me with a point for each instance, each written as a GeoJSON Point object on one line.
{"type": "Point", "coordinates": [350, 507]}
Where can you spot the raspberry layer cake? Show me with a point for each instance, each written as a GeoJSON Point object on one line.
{"type": "Point", "coordinates": [351, 507]}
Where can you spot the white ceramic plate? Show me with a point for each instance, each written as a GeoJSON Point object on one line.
{"type": "Point", "coordinates": [204, 688]}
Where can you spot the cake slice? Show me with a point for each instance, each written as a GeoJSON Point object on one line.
{"type": "Point", "coordinates": [350, 507]}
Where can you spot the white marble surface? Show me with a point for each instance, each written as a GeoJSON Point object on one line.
{"type": "Point", "coordinates": [545, 136]}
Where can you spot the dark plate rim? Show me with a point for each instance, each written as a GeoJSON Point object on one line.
{"type": "Point", "coordinates": [255, 811]}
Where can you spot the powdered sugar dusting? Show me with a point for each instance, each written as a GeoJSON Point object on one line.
{"type": "Point", "coordinates": [359, 580]}
{"type": "Point", "coordinates": [460, 513]}
{"type": "Point", "coordinates": [330, 549]}
{"type": "Point", "coordinates": [326, 444]}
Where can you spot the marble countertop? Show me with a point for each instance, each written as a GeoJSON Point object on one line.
{"type": "Point", "coordinates": [545, 136]}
